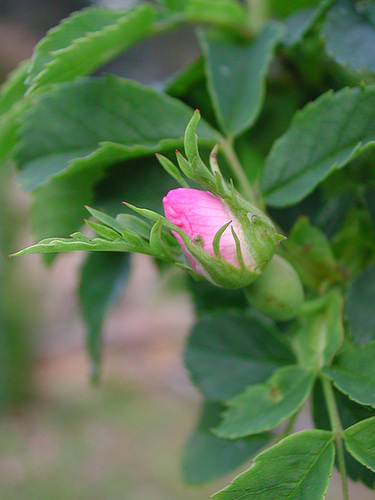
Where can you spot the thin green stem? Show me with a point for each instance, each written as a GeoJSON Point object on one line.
{"type": "Point", "coordinates": [236, 167]}
{"type": "Point", "coordinates": [337, 429]}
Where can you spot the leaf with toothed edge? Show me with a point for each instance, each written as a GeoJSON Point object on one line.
{"type": "Point", "coordinates": [324, 136]}
{"type": "Point", "coordinates": [85, 41]}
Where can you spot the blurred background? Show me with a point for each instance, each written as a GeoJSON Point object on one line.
{"type": "Point", "coordinates": [60, 437]}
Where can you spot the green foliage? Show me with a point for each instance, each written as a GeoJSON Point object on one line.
{"type": "Point", "coordinates": [56, 138]}
{"type": "Point", "coordinates": [80, 140]}
{"type": "Point", "coordinates": [347, 23]}
{"type": "Point", "coordinates": [228, 351]}
{"type": "Point", "coordinates": [360, 306]}
{"type": "Point", "coordinates": [360, 441]}
{"type": "Point", "coordinates": [264, 406]}
{"type": "Point", "coordinates": [207, 457]}
{"type": "Point", "coordinates": [102, 276]}
{"type": "Point", "coordinates": [315, 145]}
{"type": "Point", "coordinates": [238, 89]}
{"type": "Point", "coordinates": [320, 331]}
{"type": "Point", "coordinates": [311, 254]}
{"type": "Point", "coordinates": [85, 41]}
{"type": "Point", "coordinates": [353, 372]}
{"type": "Point", "coordinates": [307, 461]}
{"type": "Point", "coordinates": [349, 413]}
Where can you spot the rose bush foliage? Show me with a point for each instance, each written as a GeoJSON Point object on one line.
{"type": "Point", "coordinates": [268, 210]}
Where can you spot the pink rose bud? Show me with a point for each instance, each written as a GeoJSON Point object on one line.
{"type": "Point", "coordinates": [228, 245]}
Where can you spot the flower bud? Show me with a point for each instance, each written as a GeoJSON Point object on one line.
{"type": "Point", "coordinates": [278, 292]}
{"type": "Point", "coordinates": [227, 243]}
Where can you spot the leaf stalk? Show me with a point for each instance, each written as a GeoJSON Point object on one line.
{"type": "Point", "coordinates": [337, 430]}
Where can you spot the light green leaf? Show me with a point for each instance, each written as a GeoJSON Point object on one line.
{"type": "Point", "coordinates": [12, 106]}
{"type": "Point", "coordinates": [360, 442]}
{"type": "Point", "coordinates": [360, 306]}
{"type": "Point", "coordinates": [14, 88]}
{"type": "Point", "coordinates": [77, 242]}
{"type": "Point", "coordinates": [85, 41]}
{"type": "Point", "coordinates": [311, 254]}
{"type": "Point", "coordinates": [236, 74]}
{"type": "Point", "coordinates": [227, 351]}
{"type": "Point", "coordinates": [350, 35]}
{"type": "Point", "coordinates": [324, 136]}
{"type": "Point", "coordinates": [297, 468]}
{"type": "Point", "coordinates": [102, 276]}
{"type": "Point", "coordinates": [207, 457]}
{"type": "Point", "coordinates": [95, 122]}
{"type": "Point", "coordinates": [320, 332]}
{"type": "Point", "coordinates": [353, 372]}
{"type": "Point", "coordinates": [264, 406]}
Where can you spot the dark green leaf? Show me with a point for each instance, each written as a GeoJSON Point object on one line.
{"type": "Point", "coordinates": [102, 277]}
{"type": "Point", "coordinates": [209, 298]}
{"type": "Point", "coordinates": [353, 372]}
{"type": "Point", "coordinates": [324, 136]}
{"type": "Point", "coordinates": [300, 23]}
{"type": "Point", "coordinates": [85, 41]}
{"type": "Point", "coordinates": [264, 406]}
{"type": "Point", "coordinates": [297, 468]}
{"type": "Point", "coordinates": [124, 119]}
{"type": "Point", "coordinates": [350, 36]}
{"type": "Point", "coordinates": [360, 441]}
{"type": "Point", "coordinates": [350, 413]}
{"type": "Point", "coordinates": [369, 196]}
{"type": "Point", "coordinates": [236, 74]}
{"type": "Point", "coordinates": [228, 351]}
{"type": "Point", "coordinates": [207, 457]}
{"type": "Point", "coordinates": [360, 306]}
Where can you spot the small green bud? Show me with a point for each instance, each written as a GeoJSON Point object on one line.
{"type": "Point", "coordinates": [278, 292]}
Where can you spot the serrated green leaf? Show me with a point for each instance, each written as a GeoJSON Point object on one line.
{"type": "Point", "coordinates": [207, 457]}
{"type": "Point", "coordinates": [85, 41]}
{"type": "Point", "coordinates": [360, 442]}
{"type": "Point", "coordinates": [76, 243]}
{"type": "Point", "coordinates": [14, 88]}
{"type": "Point", "coordinates": [350, 413]}
{"type": "Point", "coordinates": [236, 74]}
{"type": "Point", "coordinates": [360, 306]}
{"type": "Point", "coordinates": [227, 351]}
{"type": "Point", "coordinates": [297, 468]}
{"type": "Point", "coordinates": [349, 35]}
{"type": "Point", "coordinates": [324, 136]}
{"type": "Point", "coordinates": [12, 106]}
{"type": "Point", "coordinates": [124, 119]}
{"type": "Point", "coordinates": [353, 372]}
{"type": "Point", "coordinates": [320, 333]}
{"type": "Point", "coordinates": [102, 277]}
{"type": "Point", "coordinates": [311, 254]}
{"type": "Point", "coordinates": [264, 406]}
